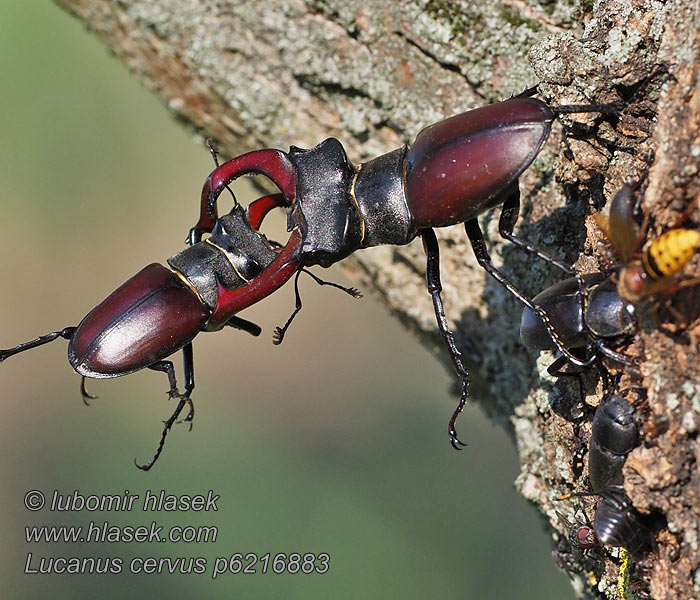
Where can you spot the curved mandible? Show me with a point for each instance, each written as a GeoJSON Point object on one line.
{"type": "Point", "coordinates": [276, 274]}
{"type": "Point", "coordinates": [273, 164]}
{"type": "Point", "coordinates": [258, 209]}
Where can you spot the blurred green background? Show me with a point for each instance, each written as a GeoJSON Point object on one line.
{"type": "Point", "coordinates": [334, 442]}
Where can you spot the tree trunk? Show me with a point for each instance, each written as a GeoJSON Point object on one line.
{"type": "Point", "coordinates": [371, 73]}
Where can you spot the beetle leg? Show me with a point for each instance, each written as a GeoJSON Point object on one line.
{"type": "Point", "coordinates": [432, 275]}
{"type": "Point", "coordinates": [184, 399]}
{"type": "Point", "coordinates": [611, 108]}
{"type": "Point", "coordinates": [188, 366]}
{"type": "Point", "coordinates": [244, 325]}
{"type": "Point", "coordinates": [556, 368]}
{"type": "Point", "coordinates": [528, 93]}
{"type": "Point", "coordinates": [65, 333]}
{"type": "Point", "coordinates": [354, 292]}
{"type": "Point", "coordinates": [476, 239]}
{"type": "Point", "coordinates": [506, 223]}
{"type": "Point", "coordinates": [629, 362]}
{"type": "Point", "coordinates": [278, 335]}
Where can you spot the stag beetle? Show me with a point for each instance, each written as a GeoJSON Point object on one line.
{"type": "Point", "coordinates": [454, 170]}
{"type": "Point", "coordinates": [159, 311]}
{"type": "Point", "coordinates": [595, 311]}
{"type": "Point", "coordinates": [591, 319]}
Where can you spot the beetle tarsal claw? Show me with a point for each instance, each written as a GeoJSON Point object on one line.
{"type": "Point", "coordinates": [190, 415]}
{"type": "Point", "coordinates": [457, 444]}
{"type": "Point", "coordinates": [167, 426]}
{"type": "Point", "coordinates": [277, 336]}
{"type": "Point", "coordinates": [85, 394]}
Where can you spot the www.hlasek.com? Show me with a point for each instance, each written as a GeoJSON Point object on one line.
{"type": "Point", "coordinates": [106, 532]}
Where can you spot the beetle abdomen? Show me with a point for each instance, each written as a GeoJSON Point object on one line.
{"type": "Point", "coordinates": [459, 167]}
{"type": "Point", "coordinates": [616, 523]}
{"type": "Point", "coordinates": [145, 320]}
{"type": "Point", "coordinates": [613, 436]}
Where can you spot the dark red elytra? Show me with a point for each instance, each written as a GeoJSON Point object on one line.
{"type": "Point", "coordinates": [145, 320]}
{"type": "Point", "coordinates": [457, 168]}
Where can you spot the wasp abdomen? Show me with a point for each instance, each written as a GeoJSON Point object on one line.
{"type": "Point", "coordinates": [669, 253]}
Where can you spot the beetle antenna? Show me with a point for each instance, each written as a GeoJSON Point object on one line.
{"type": "Point", "coordinates": [215, 155]}
{"type": "Point", "coordinates": [65, 333]}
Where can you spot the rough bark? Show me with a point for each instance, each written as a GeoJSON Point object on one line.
{"type": "Point", "coordinates": [372, 73]}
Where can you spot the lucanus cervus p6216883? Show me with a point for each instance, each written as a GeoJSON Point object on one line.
{"type": "Point", "coordinates": [454, 170]}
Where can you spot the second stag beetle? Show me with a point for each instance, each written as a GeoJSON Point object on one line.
{"type": "Point", "coordinates": [454, 171]}
{"type": "Point", "coordinates": [591, 318]}
{"type": "Point", "coordinates": [594, 316]}
{"type": "Point", "coordinates": [616, 523]}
